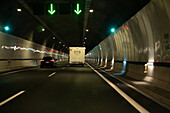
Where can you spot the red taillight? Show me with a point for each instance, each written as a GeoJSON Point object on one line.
{"type": "Point", "coordinates": [83, 62]}
{"type": "Point", "coordinates": [70, 62]}
{"type": "Point", "coordinates": [52, 60]}
{"type": "Point", "coordinates": [42, 60]}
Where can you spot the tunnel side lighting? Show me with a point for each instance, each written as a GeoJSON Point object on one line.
{"type": "Point", "coordinates": [112, 30]}
{"type": "Point", "coordinates": [126, 27]}
{"type": "Point", "coordinates": [53, 37]}
{"type": "Point", "coordinates": [124, 62]}
{"type": "Point", "coordinates": [145, 68]}
{"type": "Point", "coordinates": [85, 38]}
{"type": "Point", "coordinates": [59, 42]}
{"type": "Point", "coordinates": [87, 30]}
{"type": "Point", "coordinates": [150, 64]}
{"type": "Point", "coordinates": [6, 28]}
{"type": "Point", "coordinates": [124, 68]}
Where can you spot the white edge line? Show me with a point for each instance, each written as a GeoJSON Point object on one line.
{"type": "Point", "coordinates": [52, 74]}
{"type": "Point", "coordinates": [138, 90]}
{"type": "Point", "coordinates": [7, 100]}
{"type": "Point", "coordinates": [124, 95]}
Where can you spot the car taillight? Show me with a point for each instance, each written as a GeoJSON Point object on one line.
{"type": "Point", "coordinates": [42, 60]}
{"type": "Point", "coordinates": [52, 60]}
{"type": "Point", "coordinates": [70, 62]}
{"type": "Point", "coordinates": [83, 62]}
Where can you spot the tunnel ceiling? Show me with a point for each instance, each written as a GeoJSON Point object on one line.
{"type": "Point", "coordinates": [70, 29]}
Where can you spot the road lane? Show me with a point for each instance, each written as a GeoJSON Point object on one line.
{"type": "Point", "coordinates": [72, 90]}
{"type": "Point", "coordinates": [13, 83]}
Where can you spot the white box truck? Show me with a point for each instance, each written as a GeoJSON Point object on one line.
{"type": "Point", "coordinates": [77, 55]}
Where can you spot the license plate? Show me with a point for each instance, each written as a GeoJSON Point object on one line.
{"type": "Point", "coordinates": [47, 62]}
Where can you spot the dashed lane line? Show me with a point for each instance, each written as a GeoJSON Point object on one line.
{"type": "Point", "coordinates": [19, 93]}
{"type": "Point", "coordinates": [52, 74]}
{"type": "Point", "coordinates": [9, 99]}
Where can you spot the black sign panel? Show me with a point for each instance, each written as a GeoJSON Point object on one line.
{"type": "Point", "coordinates": [64, 8]}
{"type": "Point", "coordinates": [38, 8]}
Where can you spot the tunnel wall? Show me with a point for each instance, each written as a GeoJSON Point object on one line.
{"type": "Point", "coordinates": [18, 52]}
{"type": "Point", "coordinates": [143, 39]}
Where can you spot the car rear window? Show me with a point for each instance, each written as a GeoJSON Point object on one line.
{"type": "Point", "coordinates": [47, 58]}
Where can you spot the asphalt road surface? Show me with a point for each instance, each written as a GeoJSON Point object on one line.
{"type": "Point", "coordinates": [63, 89]}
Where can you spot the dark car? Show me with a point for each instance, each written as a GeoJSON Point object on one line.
{"type": "Point", "coordinates": [48, 62]}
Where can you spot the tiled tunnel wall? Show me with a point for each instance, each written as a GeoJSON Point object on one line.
{"type": "Point", "coordinates": [143, 39]}
{"type": "Point", "coordinates": [18, 52]}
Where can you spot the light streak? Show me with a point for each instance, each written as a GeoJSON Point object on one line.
{"type": "Point", "coordinates": [30, 49]}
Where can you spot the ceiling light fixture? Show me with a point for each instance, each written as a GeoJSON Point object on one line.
{"type": "Point", "coordinates": [6, 28]}
{"type": "Point", "coordinates": [43, 29]}
{"type": "Point", "coordinates": [112, 30]}
{"type": "Point", "coordinates": [91, 10]}
{"type": "Point", "coordinates": [19, 10]}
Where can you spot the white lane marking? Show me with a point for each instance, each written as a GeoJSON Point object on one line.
{"type": "Point", "coordinates": [124, 95]}
{"type": "Point", "coordinates": [140, 91]}
{"type": "Point", "coordinates": [7, 100]}
{"type": "Point", "coordinates": [52, 74]}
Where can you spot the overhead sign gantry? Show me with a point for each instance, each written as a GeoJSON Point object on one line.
{"type": "Point", "coordinates": [58, 8]}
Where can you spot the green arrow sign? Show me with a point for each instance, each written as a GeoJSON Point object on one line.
{"type": "Point", "coordinates": [51, 11]}
{"type": "Point", "coordinates": [77, 11]}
